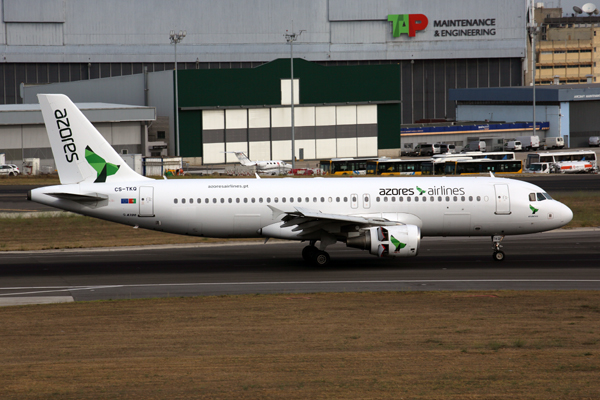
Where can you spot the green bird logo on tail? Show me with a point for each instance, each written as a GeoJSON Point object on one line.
{"type": "Point", "coordinates": [103, 168]}
{"type": "Point", "coordinates": [421, 191]}
{"type": "Point", "coordinates": [398, 244]}
{"type": "Point", "coordinates": [533, 209]}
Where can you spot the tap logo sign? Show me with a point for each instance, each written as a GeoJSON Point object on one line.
{"type": "Point", "coordinates": [407, 23]}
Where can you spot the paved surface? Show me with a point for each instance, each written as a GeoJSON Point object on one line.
{"type": "Point", "coordinates": [552, 260]}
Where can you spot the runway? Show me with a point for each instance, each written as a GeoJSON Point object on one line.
{"type": "Point", "coordinates": [558, 260]}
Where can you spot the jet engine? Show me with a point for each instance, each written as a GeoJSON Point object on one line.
{"type": "Point", "coordinates": [388, 241]}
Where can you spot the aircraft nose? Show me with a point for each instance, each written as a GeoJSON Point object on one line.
{"type": "Point", "coordinates": [566, 214]}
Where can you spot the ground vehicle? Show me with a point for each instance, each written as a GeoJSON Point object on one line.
{"type": "Point", "coordinates": [554, 142]}
{"type": "Point", "coordinates": [345, 166]}
{"type": "Point", "coordinates": [394, 167]}
{"type": "Point", "coordinates": [513, 145]}
{"type": "Point", "coordinates": [529, 142]}
{"type": "Point", "coordinates": [423, 149]}
{"type": "Point", "coordinates": [594, 141]}
{"type": "Point", "coordinates": [9, 169]}
{"type": "Point", "coordinates": [479, 166]}
{"type": "Point", "coordinates": [436, 165]}
{"type": "Point", "coordinates": [564, 157]}
{"type": "Point", "coordinates": [538, 168]}
{"type": "Point", "coordinates": [447, 148]}
{"type": "Point", "coordinates": [478, 145]}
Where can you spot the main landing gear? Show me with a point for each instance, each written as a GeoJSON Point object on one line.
{"type": "Point", "coordinates": [498, 254]}
{"type": "Point", "coordinates": [313, 255]}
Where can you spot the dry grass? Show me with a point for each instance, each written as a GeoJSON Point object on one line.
{"type": "Point", "coordinates": [74, 231]}
{"type": "Point", "coordinates": [585, 207]}
{"type": "Point", "coordinates": [457, 345]}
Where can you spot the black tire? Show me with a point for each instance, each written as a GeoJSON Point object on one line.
{"type": "Point", "coordinates": [498, 256]}
{"type": "Point", "coordinates": [321, 258]}
{"type": "Point", "coordinates": [308, 253]}
{"type": "Point", "coordinates": [11, 174]}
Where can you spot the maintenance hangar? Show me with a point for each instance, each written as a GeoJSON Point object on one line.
{"type": "Point", "coordinates": [23, 134]}
{"type": "Point", "coordinates": [435, 46]}
{"type": "Point", "coordinates": [570, 110]}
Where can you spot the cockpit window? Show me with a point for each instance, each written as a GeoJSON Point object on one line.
{"type": "Point", "coordinates": [531, 196]}
{"type": "Point", "coordinates": [547, 196]}
{"type": "Point", "coordinates": [541, 197]}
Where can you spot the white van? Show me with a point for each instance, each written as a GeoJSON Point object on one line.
{"type": "Point", "coordinates": [594, 141]}
{"type": "Point", "coordinates": [513, 145]}
{"type": "Point", "coordinates": [529, 142]}
{"type": "Point", "coordinates": [554, 142]}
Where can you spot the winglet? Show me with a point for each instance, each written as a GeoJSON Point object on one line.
{"type": "Point", "coordinates": [256, 174]}
{"type": "Point", "coordinates": [276, 211]}
{"type": "Point", "coordinates": [492, 174]}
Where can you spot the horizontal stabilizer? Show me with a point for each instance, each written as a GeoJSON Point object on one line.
{"type": "Point", "coordinates": [80, 198]}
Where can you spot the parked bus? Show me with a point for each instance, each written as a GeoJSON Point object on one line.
{"type": "Point", "coordinates": [481, 166]}
{"type": "Point", "coordinates": [345, 166]}
{"type": "Point", "coordinates": [394, 167]}
{"type": "Point", "coordinates": [437, 164]}
{"type": "Point", "coordinates": [557, 157]}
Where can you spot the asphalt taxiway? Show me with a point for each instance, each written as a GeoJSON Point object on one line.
{"type": "Point", "coordinates": [557, 260]}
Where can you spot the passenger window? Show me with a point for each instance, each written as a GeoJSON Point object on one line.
{"type": "Point", "coordinates": [182, 201]}
{"type": "Point", "coordinates": [322, 199]}
{"type": "Point", "coordinates": [408, 198]}
{"type": "Point", "coordinates": [214, 200]}
{"type": "Point", "coordinates": [432, 198]}
{"type": "Point", "coordinates": [540, 197]}
{"type": "Point", "coordinates": [254, 200]}
{"type": "Point", "coordinates": [337, 199]}
{"type": "Point", "coordinates": [191, 201]}
{"type": "Point", "coordinates": [470, 198]}
{"type": "Point", "coordinates": [462, 198]}
{"type": "Point", "coordinates": [377, 199]}
{"type": "Point", "coordinates": [416, 198]}
{"type": "Point", "coordinates": [447, 198]}
{"type": "Point", "coordinates": [237, 200]}
{"type": "Point", "coordinates": [478, 198]}
{"type": "Point", "coordinates": [393, 199]}
{"type": "Point", "coordinates": [439, 198]}
{"type": "Point", "coordinates": [207, 200]}
{"type": "Point", "coordinates": [268, 199]}
{"type": "Point", "coordinates": [531, 196]}
{"type": "Point", "coordinates": [230, 200]}
{"type": "Point", "coordinates": [283, 199]}
{"type": "Point", "coordinates": [245, 200]}
{"type": "Point", "coordinates": [400, 199]}
{"type": "Point", "coordinates": [260, 200]}
{"type": "Point", "coordinates": [199, 201]}
{"type": "Point", "coordinates": [175, 201]}
{"type": "Point", "coordinates": [385, 199]}
{"type": "Point", "coordinates": [276, 200]}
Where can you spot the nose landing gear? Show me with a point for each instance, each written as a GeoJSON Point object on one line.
{"type": "Point", "coordinates": [498, 254]}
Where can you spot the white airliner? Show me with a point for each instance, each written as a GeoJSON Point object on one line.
{"type": "Point", "coordinates": [385, 216]}
{"type": "Point", "coordinates": [270, 166]}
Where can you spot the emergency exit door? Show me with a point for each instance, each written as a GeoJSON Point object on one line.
{"type": "Point", "coordinates": [502, 200]}
{"type": "Point", "coordinates": [146, 201]}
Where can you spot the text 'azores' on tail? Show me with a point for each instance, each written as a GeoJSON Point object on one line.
{"type": "Point", "coordinates": [81, 153]}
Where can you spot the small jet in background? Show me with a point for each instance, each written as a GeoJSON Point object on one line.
{"type": "Point", "coordinates": [270, 166]}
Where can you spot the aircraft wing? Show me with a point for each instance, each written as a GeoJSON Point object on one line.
{"type": "Point", "coordinates": [309, 221]}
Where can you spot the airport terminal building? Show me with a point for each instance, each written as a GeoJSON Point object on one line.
{"type": "Point", "coordinates": [362, 68]}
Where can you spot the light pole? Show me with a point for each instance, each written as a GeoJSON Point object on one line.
{"type": "Point", "coordinates": [176, 38]}
{"type": "Point", "coordinates": [532, 32]}
{"type": "Point", "coordinates": [291, 38]}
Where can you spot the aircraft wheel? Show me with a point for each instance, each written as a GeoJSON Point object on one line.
{"type": "Point", "coordinates": [308, 253]}
{"type": "Point", "coordinates": [321, 258]}
{"type": "Point", "coordinates": [498, 256]}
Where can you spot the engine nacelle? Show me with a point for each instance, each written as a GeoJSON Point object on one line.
{"type": "Point", "coordinates": [389, 241]}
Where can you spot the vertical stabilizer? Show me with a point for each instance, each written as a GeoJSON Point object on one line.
{"type": "Point", "coordinates": [81, 153]}
{"type": "Point", "coordinates": [244, 160]}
